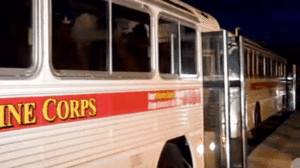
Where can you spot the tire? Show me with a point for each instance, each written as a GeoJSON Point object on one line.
{"type": "Point", "coordinates": [257, 115]}
{"type": "Point", "coordinates": [257, 120]}
{"type": "Point", "coordinates": [283, 102]}
{"type": "Point", "coordinates": [170, 157]}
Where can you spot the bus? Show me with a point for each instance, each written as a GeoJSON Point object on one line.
{"type": "Point", "coordinates": [265, 83]}
{"type": "Point", "coordinates": [139, 83]}
{"type": "Point", "coordinates": [106, 83]}
{"type": "Point", "coordinates": [243, 84]}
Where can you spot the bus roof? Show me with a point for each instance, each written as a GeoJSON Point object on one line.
{"type": "Point", "coordinates": [254, 44]}
{"type": "Point", "coordinates": [206, 20]}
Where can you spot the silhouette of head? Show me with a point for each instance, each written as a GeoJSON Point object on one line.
{"type": "Point", "coordinates": [140, 30]}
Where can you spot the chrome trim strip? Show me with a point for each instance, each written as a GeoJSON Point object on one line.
{"type": "Point", "coordinates": [110, 37]}
{"type": "Point", "coordinates": [172, 54]}
{"type": "Point", "coordinates": [243, 101]}
{"type": "Point", "coordinates": [294, 86]}
{"type": "Point", "coordinates": [179, 48]}
{"type": "Point", "coordinates": [24, 73]}
{"type": "Point", "coordinates": [172, 9]}
{"type": "Point", "coordinates": [226, 97]}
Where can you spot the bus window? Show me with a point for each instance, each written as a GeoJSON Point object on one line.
{"type": "Point", "coordinates": [260, 66]}
{"type": "Point", "coordinates": [279, 69]}
{"type": "Point", "coordinates": [268, 71]}
{"type": "Point", "coordinates": [168, 47]}
{"type": "Point", "coordinates": [81, 40]}
{"type": "Point", "coordinates": [246, 62]}
{"type": "Point", "coordinates": [255, 67]}
{"type": "Point", "coordinates": [212, 51]}
{"type": "Point", "coordinates": [188, 50]}
{"type": "Point", "coordinates": [16, 35]}
{"type": "Point", "coordinates": [80, 35]}
{"type": "Point", "coordinates": [207, 59]}
{"type": "Point", "coordinates": [130, 40]}
{"type": "Point", "coordinates": [276, 68]}
{"type": "Point", "coordinates": [274, 72]}
{"type": "Point", "coordinates": [250, 64]}
{"type": "Point", "coordinates": [176, 52]}
{"type": "Point", "coordinates": [284, 70]}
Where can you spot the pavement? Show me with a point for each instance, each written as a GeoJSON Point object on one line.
{"type": "Point", "coordinates": [279, 149]}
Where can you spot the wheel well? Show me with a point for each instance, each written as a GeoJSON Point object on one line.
{"type": "Point", "coordinates": [182, 144]}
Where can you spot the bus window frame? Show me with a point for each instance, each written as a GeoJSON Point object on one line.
{"type": "Point", "coordinates": [186, 23]}
{"type": "Point", "coordinates": [25, 73]}
{"type": "Point", "coordinates": [110, 74]}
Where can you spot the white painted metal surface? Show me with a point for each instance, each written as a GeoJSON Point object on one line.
{"type": "Point", "coordinates": [131, 140]}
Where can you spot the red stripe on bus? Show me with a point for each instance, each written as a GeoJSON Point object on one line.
{"type": "Point", "coordinates": [29, 112]}
{"type": "Point", "coordinates": [262, 85]}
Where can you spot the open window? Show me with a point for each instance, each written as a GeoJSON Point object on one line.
{"type": "Point", "coordinates": [177, 49]}
{"type": "Point", "coordinates": [251, 55]}
{"type": "Point", "coordinates": [96, 38]}
{"type": "Point", "coordinates": [246, 56]}
{"type": "Point", "coordinates": [260, 66]}
{"type": "Point", "coordinates": [16, 38]}
{"type": "Point", "coordinates": [255, 65]}
{"type": "Point", "coordinates": [274, 69]}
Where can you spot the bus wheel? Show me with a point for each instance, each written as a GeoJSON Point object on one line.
{"type": "Point", "coordinates": [283, 103]}
{"type": "Point", "coordinates": [170, 157]}
{"type": "Point", "coordinates": [257, 115]}
{"type": "Point", "coordinates": [257, 120]}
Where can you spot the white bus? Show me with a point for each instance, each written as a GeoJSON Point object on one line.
{"type": "Point", "coordinates": [114, 83]}
{"type": "Point", "coordinates": [265, 76]}
{"type": "Point", "coordinates": [102, 83]}
{"type": "Point", "coordinates": [255, 82]}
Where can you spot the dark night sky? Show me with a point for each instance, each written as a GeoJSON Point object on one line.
{"type": "Point", "coordinates": [272, 22]}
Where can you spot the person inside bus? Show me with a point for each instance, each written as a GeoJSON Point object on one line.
{"type": "Point", "coordinates": [130, 50]}
{"type": "Point", "coordinates": [139, 44]}
{"type": "Point", "coordinates": [84, 32]}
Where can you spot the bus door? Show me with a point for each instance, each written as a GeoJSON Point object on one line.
{"type": "Point", "coordinates": [214, 50]}
{"type": "Point", "coordinates": [237, 102]}
{"type": "Point", "coordinates": [222, 100]}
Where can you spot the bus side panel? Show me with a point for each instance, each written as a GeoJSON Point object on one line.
{"type": "Point", "coordinates": [268, 94]}
{"type": "Point", "coordinates": [79, 142]}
